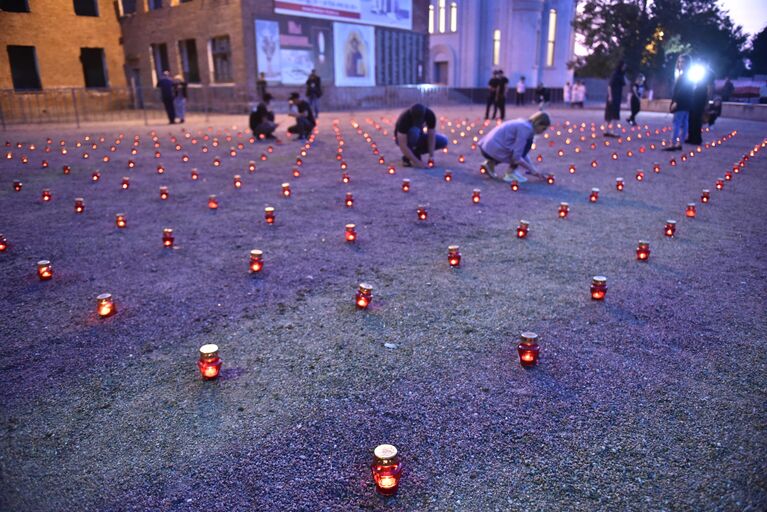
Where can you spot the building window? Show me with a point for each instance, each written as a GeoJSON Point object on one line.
{"type": "Point", "coordinates": [159, 56]}
{"type": "Point", "coordinates": [496, 47]}
{"type": "Point", "coordinates": [23, 60]}
{"type": "Point", "coordinates": [551, 37]}
{"type": "Point", "coordinates": [94, 67]}
{"type": "Point", "coordinates": [187, 49]}
{"type": "Point", "coordinates": [431, 19]}
{"type": "Point", "coordinates": [86, 7]}
{"type": "Point", "coordinates": [128, 7]}
{"type": "Point", "coordinates": [221, 57]}
{"type": "Point", "coordinates": [453, 17]}
{"type": "Point", "coordinates": [14, 5]}
{"type": "Point", "coordinates": [442, 16]}
{"type": "Point", "coordinates": [155, 4]}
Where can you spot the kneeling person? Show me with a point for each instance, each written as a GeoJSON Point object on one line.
{"type": "Point", "coordinates": [301, 110]}
{"type": "Point", "coordinates": [262, 119]}
{"type": "Point", "coordinates": [412, 140]}
{"type": "Point", "coordinates": [510, 142]}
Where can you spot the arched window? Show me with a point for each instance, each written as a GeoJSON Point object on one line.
{"type": "Point", "coordinates": [552, 35]}
{"type": "Point", "coordinates": [431, 19]}
{"type": "Point", "coordinates": [442, 16]}
{"type": "Point", "coordinates": [496, 47]}
{"type": "Point", "coordinates": [453, 16]}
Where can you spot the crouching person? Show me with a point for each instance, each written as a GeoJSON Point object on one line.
{"type": "Point", "coordinates": [302, 112]}
{"type": "Point", "coordinates": [510, 142]}
{"type": "Point", "coordinates": [410, 136]}
{"type": "Point", "coordinates": [262, 119]}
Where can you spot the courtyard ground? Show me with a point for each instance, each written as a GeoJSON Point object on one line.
{"type": "Point", "coordinates": [653, 399]}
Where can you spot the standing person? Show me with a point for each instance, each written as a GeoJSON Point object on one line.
{"type": "Point", "coordinates": [637, 91]}
{"type": "Point", "coordinates": [581, 93]}
{"type": "Point", "coordinates": [567, 94]}
{"type": "Point", "coordinates": [727, 89]}
{"type": "Point", "coordinates": [314, 92]}
{"type": "Point", "coordinates": [500, 94]}
{"type": "Point", "coordinates": [541, 95]}
{"type": "Point", "coordinates": [302, 112]}
{"type": "Point", "coordinates": [700, 93]}
{"type": "Point", "coordinates": [614, 95]}
{"type": "Point", "coordinates": [165, 84]}
{"type": "Point", "coordinates": [262, 120]}
{"type": "Point", "coordinates": [411, 139]}
{"type": "Point", "coordinates": [510, 143]}
{"type": "Point", "coordinates": [681, 97]}
{"type": "Point", "coordinates": [520, 92]}
{"type": "Point", "coordinates": [179, 97]}
{"type": "Point", "coordinates": [492, 92]}
{"type": "Point", "coordinates": [261, 85]}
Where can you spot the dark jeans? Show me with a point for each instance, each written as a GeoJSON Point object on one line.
{"type": "Point", "coordinates": [490, 103]}
{"type": "Point", "coordinates": [170, 109]}
{"type": "Point", "coordinates": [519, 98]}
{"type": "Point", "coordinates": [418, 142]}
{"type": "Point", "coordinates": [501, 106]}
{"type": "Point", "coordinates": [302, 127]}
{"type": "Point", "coordinates": [314, 104]}
{"type": "Point", "coordinates": [694, 127]}
{"type": "Point", "coordinates": [634, 109]}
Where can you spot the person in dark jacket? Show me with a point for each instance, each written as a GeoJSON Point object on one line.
{"type": "Point", "coordinates": [262, 120]}
{"type": "Point", "coordinates": [500, 94]}
{"type": "Point", "coordinates": [492, 92]}
{"type": "Point", "coordinates": [165, 84]}
{"type": "Point", "coordinates": [261, 85]}
{"type": "Point", "coordinates": [614, 95]}
{"type": "Point", "coordinates": [314, 92]}
{"type": "Point", "coordinates": [700, 94]}
{"type": "Point", "coordinates": [637, 91]}
{"type": "Point", "coordinates": [681, 98]}
{"type": "Point", "coordinates": [302, 111]}
{"type": "Point", "coordinates": [727, 89]}
{"type": "Point", "coordinates": [541, 96]}
{"type": "Point", "coordinates": [411, 139]}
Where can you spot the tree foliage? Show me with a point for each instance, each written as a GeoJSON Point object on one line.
{"type": "Point", "coordinates": [758, 53]}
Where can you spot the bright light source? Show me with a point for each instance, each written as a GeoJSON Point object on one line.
{"type": "Point", "coordinates": [696, 73]}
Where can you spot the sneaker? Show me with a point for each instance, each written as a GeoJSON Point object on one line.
{"type": "Point", "coordinates": [406, 162]}
{"type": "Point", "coordinates": [490, 167]}
{"type": "Point", "coordinates": [514, 175]}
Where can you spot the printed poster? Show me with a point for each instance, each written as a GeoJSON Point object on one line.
{"type": "Point", "coordinates": [354, 55]}
{"type": "Point", "coordinates": [389, 13]}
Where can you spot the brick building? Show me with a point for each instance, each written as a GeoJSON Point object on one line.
{"type": "Point", "coordinates": [59, 43]}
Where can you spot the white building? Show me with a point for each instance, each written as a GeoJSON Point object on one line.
{"type": "Point", "coordinates": [471, 38]}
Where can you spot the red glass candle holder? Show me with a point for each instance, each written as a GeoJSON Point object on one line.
{"type": "Point", "coordinates": [120, 220]}
{"type": "Point", "coordinates": [364, 295]}
{"type": "Point", "coordinates": [17, 185]}
{"type": "Point", "coordinates": [639, 175]}
{"type": "Point", "coordinates": [598, 287]}
{"type": "Point", "coordinates": [349, 200]}
{"type": "Point", "coordinates": [406, 185]}
{"type": "Point", "coordinates": [209, 362]}
{"type": "Point", "coordinates": [167, 237]}
{"type": "Point", "coordinates": [350, 233]}
{"type": "Point", "coordinates": [164, 193]}
{"type": "Point", "coordinates": [213, 202]}
{"type": "Point", "coordinates": [430, 163]}
{"type": "Point", "coordinates": [46, 195]}
{"type": "Point", "coordinates": [252, 166]}
{"type": "Point", "coordinates": [3, 243]}
{"type": "Point", "coordinates": [719, 184]}
{"type": "Point", "coordinates": [386, 469]}
{"type": "Point", "coordinates": [237, 181]}
{"type": "Point", "coordinates": [263, 157]}
{"type": "Point", "coordinates": [656, 168]}
{"type": "Point", "coordinates": [286, 192]}
{"type": "Point", "coordinates": [185, 158]}
{"type": "Point", "coordinates": [160, 169]}
{"type": "Point", "coordinates": [475, 196]}
{"type": "Point", "coordinates": [514, 185]}
{"type": "Point", "coordinates": [79, 205]}
{"type": "Point", "coordinates": [216, 162]}
{"type": "Point", "coordinates": [44, 270]}
{"type": "Point", "coordinates": [105, 305]}
{"type": "Point", "coordinates": [594, 163]}
{"type": "Point", "coordinates": [690, 210]}
{"type": "Point", "coordinates": [523, 228]}
{"type": "Point", "coordinates": [343, 165]}
{"type": "Point", "coordinates": [672, 162]}
{"type": "Point", "coordinates": [571, 169]}
{"type": "Point", "coordinates": [482, 169]}
{"type": "Point", "coordinates": [422, 213]}
{"type": "Point", "coordinates": [528, 349]}
{"type": "Point", "coordinates": [728, 176]}
{"type": "Point", "coordinates": [461, 159]}
{"type": "Point", "coordinates": [296, 172]}
{"type": "Point", "coordinates": [448, 176]}
{"type": "Point", "coordinates": [550, 179]}
{"type": "Point", "coordinates": [125, 183]}
{"type": "Point", "coordinates": [564, 209]}
{"type": "Point", "coordinates": [670, 228]}
{"type": "Point", "coordinates": [256, 261]}
{"type": "Point", "coordinates": [269, 214]}
{"type": "Point", "coordinates": [454, 256]}
{"type": "Point", "coordinates": [345, 178]}
{"type": "Point", "coordinates": [643, 250]}
{"type": "Point", "coordinates": [594, 196]}
{"type": "Point", "coordinates": [619, 184]}
{"type": "Point", "coordinates": [705, 196]}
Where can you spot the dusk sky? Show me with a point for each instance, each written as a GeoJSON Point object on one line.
{"type": "Point", "coordinates": [750, 14]}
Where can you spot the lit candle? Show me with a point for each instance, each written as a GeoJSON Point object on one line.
{"type": "Point", "coordinates": [3, 243]}
{"type": "Point", "coordinates": [167, 237]}
{"type": "Point", "coordinates": [406, 185]}
{"type": "Point", "coordinates": [594, 196]}
{"type": "Point", "coordinates": [598, 287]}
{"type": "Point", "coordinates": [256, 261]}
{"type": "Point", "coordinates": [345, 178]}
{"type": "Point", "coordinates": [185, 158]}
{"type": "Point", "coordinates": [421, 211]}
{"type": "Point", "coordinates": [163, 193]}
{"type": "Point", "coordinates": [364, 295]}
{"type": "Point", "coordinates": [705, 196]}
{"type": "Point", "coordinates": [296, 172]}
{"type": "Point", "coordinates": [719, 184]}
{"type": "Point", "coordinates": [160, 169]}
{"type": "Point", "coordinates": [523, 228]}
{"type": "Point", "coordinates": [475, 196]}
{"type": "Point", "coordinates": [95, 176]}
{"type": "Point", "coordinates": [381, 160]}
{"type": "Point", "coordinates": [46, 195]}
{"type": "Point", "coordinates": [454, 255]}
{"type": "Point", "coordinates": [656, 168]}
{"type": "Point", "coordinates": [514, 185]}
{"type": "Point", "coordinates": [125, 183]}
{"type": "Point", "coordinates": [343, 165]}
{"type": "Point", "coordinates": [448, 176]}
{"type": "Point", "coordinates": [351, 233]}
{"type": "Point", "coordinates": [643, 250]}
{"type": "Point", "coordinates": [728, 176]}
{"type": "Point", "coordinates": [44, 270]}
{"type": "Point", "coordinates": [594, 163]}
{"type": "Point", "coordinates": [430, 164]}
{"type": "Point", "coordinates": [269, 214]}
{"type": "Point", "coordinates": [619, 185]}
{"type": "Point", "coordinates": [252, 166]}
{"type": "Point", "coordinates": [461, 159]}
{"type": "Point", "coordinates": [690, 210]}
{"type": "Point", "coordinates": [571, 169]}
{"type": "Point", "coordinates": [213, 202]}
{"type": "Point", "coordinates": [237, 181]}
{"type": "Point", "coordinates": [216, 162]}
{"type": "Point", "coordinates": [528, 349]}
{"type": "Point", "coordinates": [286, 190]}
{"type": "Point", "coordinates": [672, 162]}
{"type": "Point", "coordinates": [105, 305]}
{"type": "Point", "coordinates": [482, 169]}
{"type": "Point", "coordinates": [17, 185]}
{"type": "Point", "coordinates": [299, 162]}
{"type": "Point", "coordinates": [349, 200]}
{"type": "Point", "coordinates": [386, 469]}
{"type": "Point", "coordinates": [639, 175]}
{"type": "Point", "coordinates": [670, 229]}
{"type": "Point", "coordinates": [131, 164]}
{"type": "Point", "coordinates": [263, 157]}
{"type": "Point", "coordinates": [564, 209]}
{"type": "Point", "coordinates": [209, 362]}
{"type": "Point", "coordinates": [550, 179]}
{"type": "Point", "coordinates": [120, 220]}
{"type": "Point", "coordinates": [79, 205]}
{"type": "Point", "coordinates": [195, 175]}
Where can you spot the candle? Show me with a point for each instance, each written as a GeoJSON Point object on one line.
{"type": "Point", "coordinates": [728, 176]}
{"type": "Point", "coordinates": [296, 172]}
{"type": "Point", "coordinates": [523, 228]}
{"type": "Point", "coordinates": [550, 179]}
{"type": "Point", "coordinates": [430, 164]}
{"type": "Point", "coordinates": [163, 193]}
{"type": "Point", "coordinates": [269, 214]}
{"type": "Point", "coordinates": [639, 175]}
{"type": "Point", "coordinates": [213, 202]}
{"type": "Point", "coordinates": [17, 185]}
{"type": "Point", "coordinates": [167, 237]}
{"type": "Point", "coordinates": [594, 196]}
{"type": "Point", "coordinates": [619, 185]}
{"type": "Point", "coordinates": [705, 196]}
{"type": "Point", "coordinates": [594, 163]}
{"type": "Point", "coordinates": [564, 209]}
{"type": "Point", "coordinates": [125, 183]}
{"type": "Point", "coordinates": [120, 220]}
{"type": "Point", "coordinates": [421, 211]}
{"type": "Point", "coordinates": [345, 178]}
{"type": "Point", "coordinates": [514, 185]}
{"type": "Point", "coordinates": [79, 205]}
{"type": "Point", "coordinates": [454, 255]}
{"type": "Point", "coordinates": [252, 166]}
{"type": "Point", "coordinates": [406, 185]}
{"type": "Point", "coordinates": [670, 229]}
{"type": "Point", "coordinates": [350, 233]}
{"type": "Point", "coordinates": [105, 305]}
{"type": "Point", "coordinates": [256, 261]}
{"type": "Point", "coordinates": [160, 169]}
{"type": "Point", "coordinates": [286, 190]}
{"type": "Point", "coordinates": [482, 170]}
{"type": "Point", "coordinates": [448, 176]}
{"type": "Point", "coordinates": [299, 162]}
{"type": "Point", "coordinates": [571, 169]}
{"type": "Point", "coordinates": [598, 287]}
{"type": "Point", "coordinates": [690, 210]}
{"type": "Point", "coordinates": [386, 469]}
{"type": "Point", "coordinates": [672, 162]}
{"type": "Point", "coordinates": [643, 250]}
{"type": "Point", "coordinates": [209, 362]}
{"type": "Point", "coordinates": [528, 349]}
{"type": "Point", "coordinates": [46, 195]}
{"type": "Point", "coordinates": [349, 200]}
{"type": "Point", "coordinates": [263, 157]}
{"type": "Point", "coordinates": [216, 162]}
{"type": "Point", "coordinates": [3, 243]}
{"type": "Point", "coordinates": [461, 159]}
{"type": "Point", "coordinates": [185, 158]}
{"type": "Point", "coordinates": [656, 168]}
{"type": "Point", "coordinates": [237, 181]}
{"type": "Point", "coordinates": [195, 175]}
{"type": "Point", "coordinates": [475, 196]}
{"type": "Point", "coordinates": [364, 295]}
{"type": "Point", "coordinates": [44, 270]}
{"type": "Point", "coordinates": [719, 184]}
{"type": "Point", "coordinates": [343, 166]}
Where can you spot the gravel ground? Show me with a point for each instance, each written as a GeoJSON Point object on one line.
{"type": "Point", "coordinates": [652, 400]}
